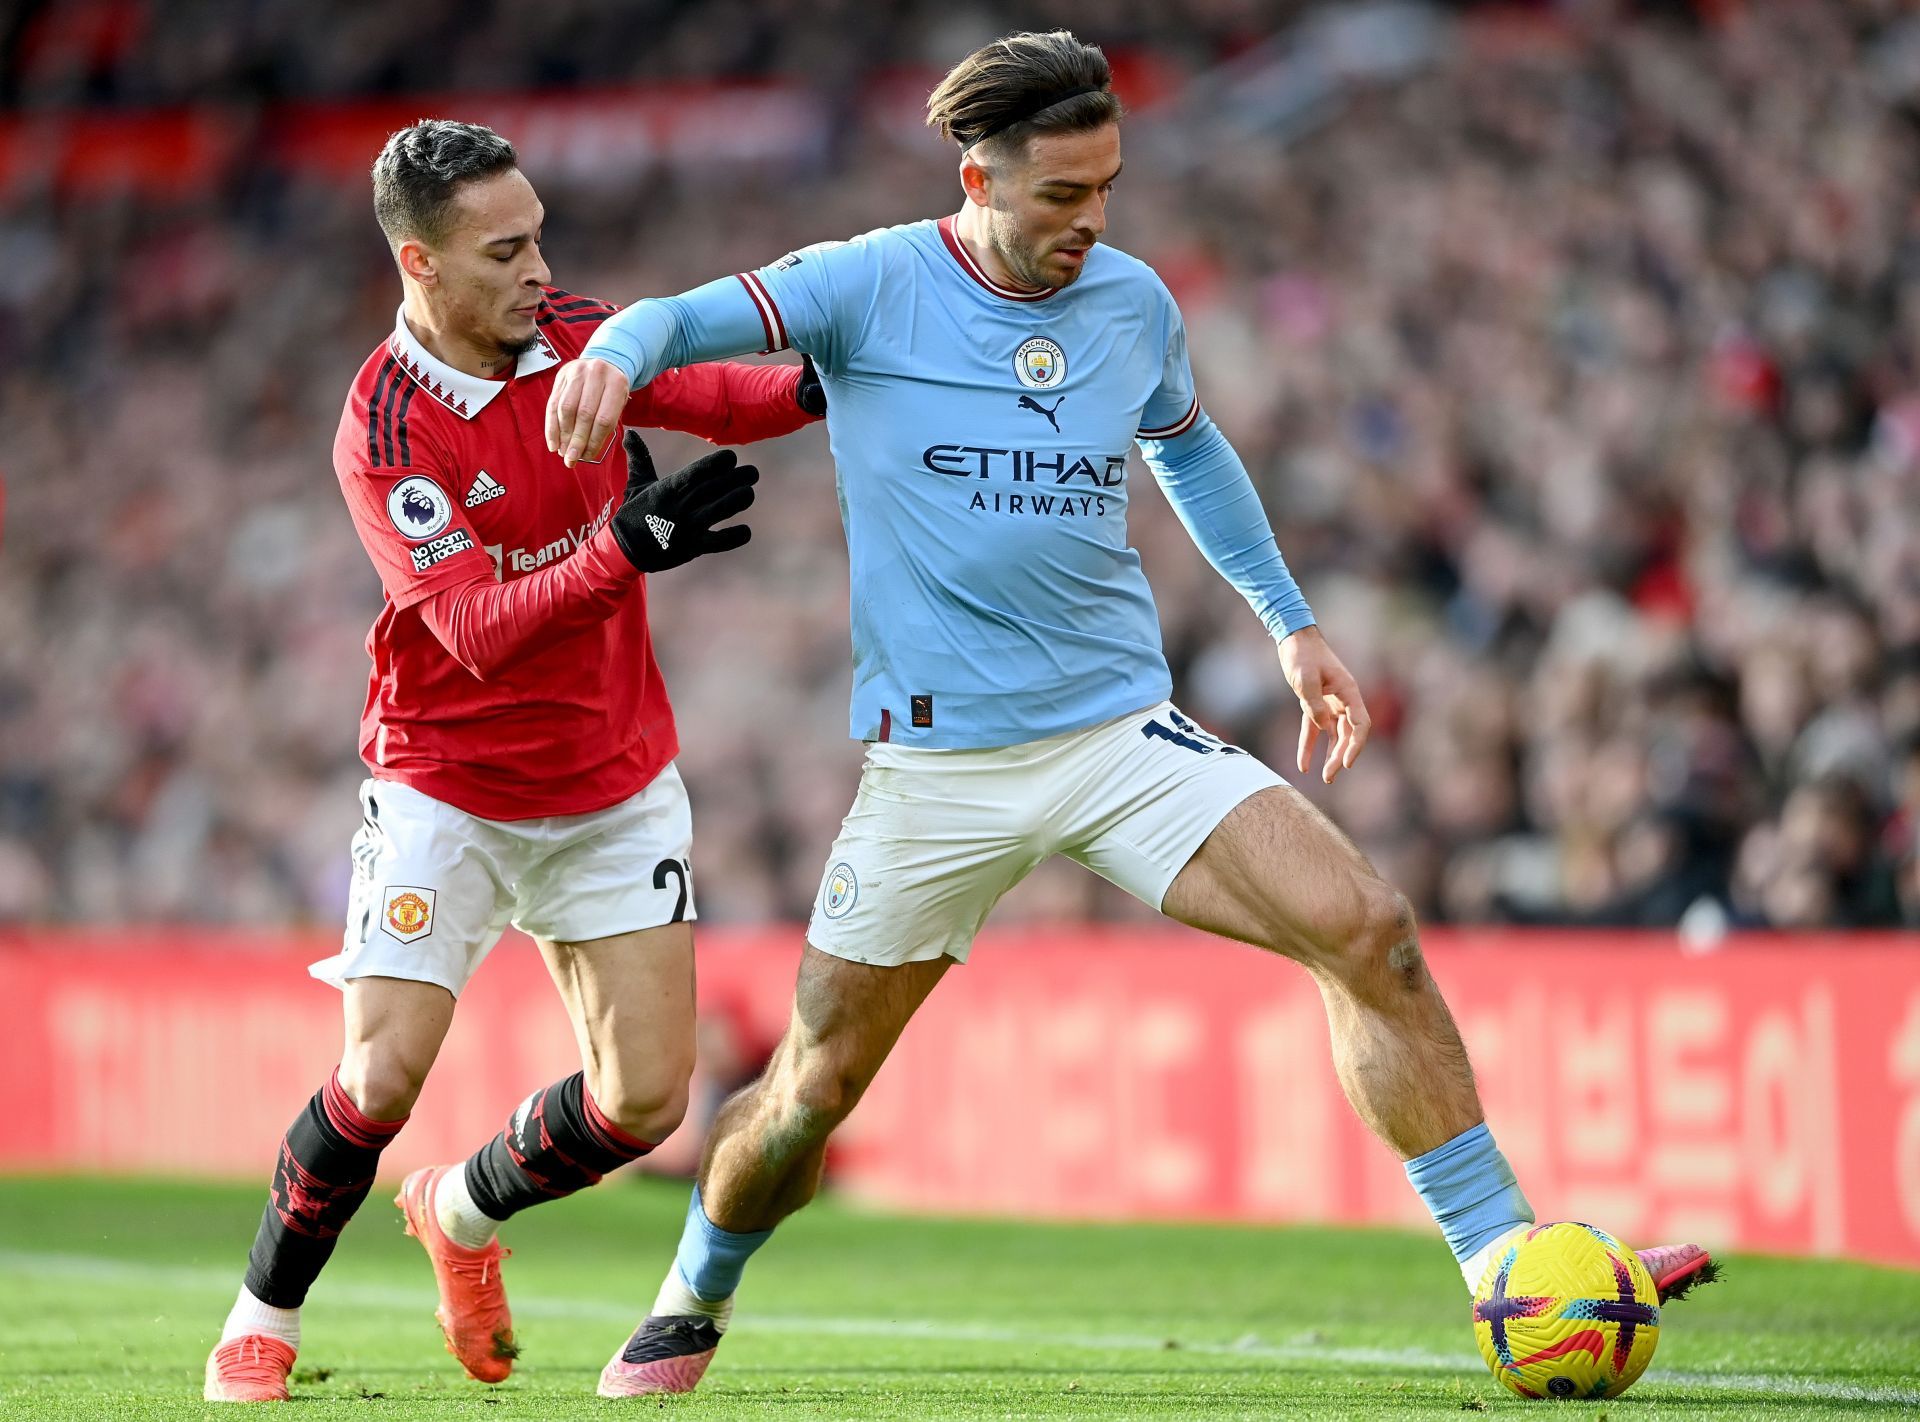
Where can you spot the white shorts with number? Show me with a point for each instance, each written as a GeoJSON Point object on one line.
{"type": "Point", "coordinates": [935, 837]}
{"type": "Point", "coordinates": [435, 887]}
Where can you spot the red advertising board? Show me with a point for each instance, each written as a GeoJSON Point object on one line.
{"type": "Point", "coordinates": [1765, 1096]}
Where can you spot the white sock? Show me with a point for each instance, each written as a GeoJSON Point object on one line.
{"type": "Point", "coordinates": [1474, 1266]}
{"type": "Point", "coordinates": [676, 1300]}
{"type": "Point", "coordinates": [249, 1315]}
{"type": "Point", "coordinates": [466, 1225]}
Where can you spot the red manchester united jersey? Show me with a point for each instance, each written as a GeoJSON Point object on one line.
{"type": "Point", "coordinates": [449, 481]}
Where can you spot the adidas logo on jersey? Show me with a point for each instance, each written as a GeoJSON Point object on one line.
{"type": "Point", "coordinates": [483, 488]}
{"type": "Point", "coordinates": [662, 528]}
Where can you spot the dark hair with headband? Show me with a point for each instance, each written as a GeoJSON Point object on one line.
{"type": "Point", "coordinates": [1024, 85]}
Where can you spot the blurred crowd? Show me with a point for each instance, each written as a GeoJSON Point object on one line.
{"type": "Point", "coordinates": [1579, 369]}
{"type": "Point", "coordinates": [138, 53]}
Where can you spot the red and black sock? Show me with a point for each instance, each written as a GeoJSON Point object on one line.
{"type": "Point", "coordinates": [559, 1141]}
{"type": "Point", "coordinates": [325, 1170]}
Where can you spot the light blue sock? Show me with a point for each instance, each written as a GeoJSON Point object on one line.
{"type": "Point", "coordinates": [710, 1259]}
{"type": "Point", "coordinates": [1470, 1189]}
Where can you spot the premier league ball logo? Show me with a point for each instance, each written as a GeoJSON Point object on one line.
{"type": "Point", "coordinates": [418, 508]}
{"type": "Point", "coordinates": [1039, 364]}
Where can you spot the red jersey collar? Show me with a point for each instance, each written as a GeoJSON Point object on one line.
{"type": "Point", "coordinates": [950, 235]}
{"type": "Point", "coordinates": [465, 395]}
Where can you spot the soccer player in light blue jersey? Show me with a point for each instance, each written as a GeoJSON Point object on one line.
{"type": "Point", "coordinates": [985, 377]}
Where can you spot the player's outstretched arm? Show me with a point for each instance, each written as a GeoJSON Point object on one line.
{"type": "Point", "coordinates": [711, 322]}
{"type": "Point", "coordinates": [1208, 487]}
{"type": "Point", "coordinates": [730, 402]}
{"type": "Point", "coordinates": [660, 524]}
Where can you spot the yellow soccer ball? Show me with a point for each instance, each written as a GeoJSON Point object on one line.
{"type": "Point", "coordinates": [1566, 1311]}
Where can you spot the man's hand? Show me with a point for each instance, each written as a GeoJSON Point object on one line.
{"type": "Point", "coordinates": [584, 409]}
{"type": "Point", "coordinates": [810, 395]}
{"type": "Point", "coordinates": [1329, 701]}
{"type": "Point", "coordinates": [662, 523]}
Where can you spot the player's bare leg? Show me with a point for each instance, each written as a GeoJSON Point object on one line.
{"type": "Point", "coordinates": [764, 1156]}
{"type": "Point", "coordinates": [325, 1169]}
{"type": "Point", "coordinates": [394, 1029]}
{"type": "Point", "coordinates": [1279, 874]}
{"type": "Point", "coordinates": [630, 1000]}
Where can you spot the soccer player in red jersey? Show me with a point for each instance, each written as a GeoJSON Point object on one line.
{"type": "Point", "coordinates": [519, 740]}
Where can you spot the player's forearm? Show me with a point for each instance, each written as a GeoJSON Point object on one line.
{"type": "Point", "coordinates": [711, 322]}
{"type": "Point", "coordinates": [1209, 489]}
{"type": "Point", "coordinates": [727, 403]}
{"type": "Point", "coordinates": [485, 625]}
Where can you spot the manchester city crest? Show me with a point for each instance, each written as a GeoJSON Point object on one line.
{"type": "Point", "coordinates": [1039, 364]}
{"type": "Point", "coordinates": [841, 889]}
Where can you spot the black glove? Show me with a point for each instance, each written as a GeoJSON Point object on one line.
{"type": "Point", "coordinates": [810, 395]}
{"type": "Point", "coordinates": [662, 523]}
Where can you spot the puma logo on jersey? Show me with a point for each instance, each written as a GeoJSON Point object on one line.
{"type": "Point", "coordinates": [662, 528]}
{"type": "Point", "coordinates": [483, 488]}
{"type": "Point", "coordinates": [1027, 402]}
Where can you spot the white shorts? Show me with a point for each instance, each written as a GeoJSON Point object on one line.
{"type": "Point", "coordinates": [935, 837]}
{"type": "Point", "coordinates": [435, 887]}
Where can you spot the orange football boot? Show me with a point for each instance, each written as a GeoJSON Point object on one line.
{"type": "Point", "coordinates": [473, 1310]}
{"type": "Point", "coordinates": [250, 1368]}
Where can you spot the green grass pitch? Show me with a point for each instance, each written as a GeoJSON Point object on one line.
{"type": "Point", "coordinates": [111, 1293]}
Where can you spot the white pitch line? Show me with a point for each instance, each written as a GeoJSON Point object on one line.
{"type": "Point", "coordinates": [99, 1267]}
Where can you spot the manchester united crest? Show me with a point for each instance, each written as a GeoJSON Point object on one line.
{"type": "Point", "coordinates": [1039, 364]}
{"type": "Point", "coordinates": [409, 911]}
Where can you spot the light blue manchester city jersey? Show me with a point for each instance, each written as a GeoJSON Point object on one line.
{"type": "Point", "coordinates": [980, 437]}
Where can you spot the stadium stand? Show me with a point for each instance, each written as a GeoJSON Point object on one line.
{"type": "Point", "coordinates": [1579, 367]}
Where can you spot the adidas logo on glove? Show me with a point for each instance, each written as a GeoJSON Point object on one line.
{"type": "Point", "coordinates": [691, 501]}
